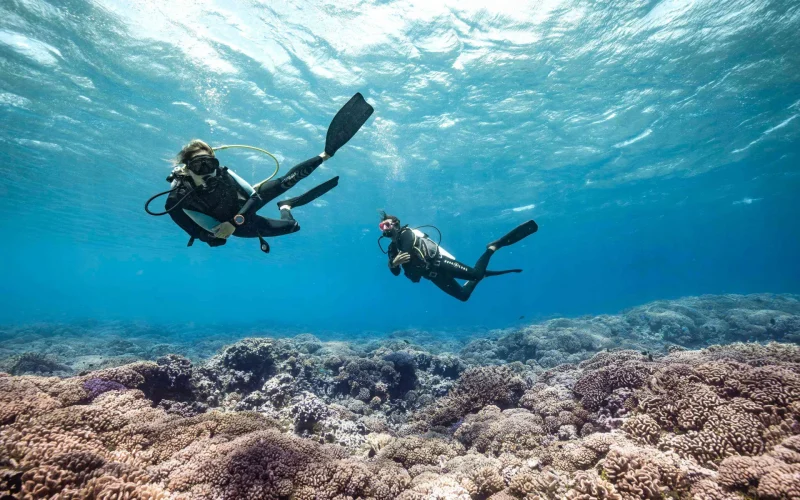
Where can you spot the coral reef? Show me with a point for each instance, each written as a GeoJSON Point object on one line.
{"type": "Point", "coordinates": [35, 363]}
{"type": "Point", "coordinates": [689, 322]}
{"type": "Point", "coordinates": [550, 411]}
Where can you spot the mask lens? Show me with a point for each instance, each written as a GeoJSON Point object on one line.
{"type": "Point", "coordinates": [386, 225]}
{"type": "Point", "coordinates": [202, 165]}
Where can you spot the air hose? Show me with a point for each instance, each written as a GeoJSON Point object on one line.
{"type": "Point", "coordinates": [243, 146]}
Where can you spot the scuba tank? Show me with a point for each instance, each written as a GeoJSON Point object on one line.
{"type": "Point", "coordinates": [425, 238]}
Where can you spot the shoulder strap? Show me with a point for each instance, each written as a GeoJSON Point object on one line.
{"type": "Point", "coordinates": [246, 188]}
{"type": "Point", "coordinates": [420, 234]}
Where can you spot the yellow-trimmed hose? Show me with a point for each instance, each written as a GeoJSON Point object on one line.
{"type": "Point", "coordinates": [243, 146]}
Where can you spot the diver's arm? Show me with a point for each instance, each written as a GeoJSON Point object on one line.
{"type": "Point", "coordinates": [392, 253]}
{"type": "Point", "coordinates": [244, 213]}
{"type": "Point", "coordinates": [250, 205]}
{"type": "Point", "coordinates": [405, 243]}
{"type": "Point", "coordinates": [187, 224]}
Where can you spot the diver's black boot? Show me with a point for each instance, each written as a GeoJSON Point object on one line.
{"type": "Point", "coordinates": [518, 233]}
{"type": "Point", "coordinates": [310, 195]}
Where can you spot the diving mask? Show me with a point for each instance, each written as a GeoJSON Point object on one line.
{"type": "Point", "coordinates": [203, 165]}
{"type": "Point", "coordinates": [386, 225]}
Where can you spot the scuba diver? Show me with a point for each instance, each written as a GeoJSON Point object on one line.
{"type": "Point", "coordinates": [211, 203]}
{"type": "Point", "coordinates": [421, 257]}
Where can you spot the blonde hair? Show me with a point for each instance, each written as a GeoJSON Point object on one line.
{"type": "Point", "coordinates": [190, 149]}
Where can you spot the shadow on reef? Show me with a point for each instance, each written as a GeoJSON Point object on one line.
{"type": "Point", "coordinates": [301, 419]}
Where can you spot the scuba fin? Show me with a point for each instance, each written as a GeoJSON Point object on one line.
{"type": "Point", "coordinates": [518, 233]}
{"type": "Point", "coordinates": [346, 123]}
{"type": "Point", "coordinates": [498, 273]}
{"type": "Point", "coordinates": [310, 195]}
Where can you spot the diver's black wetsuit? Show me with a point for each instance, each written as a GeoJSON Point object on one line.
{"type": "Point", "coordinates": [222, 198]}
{"type": "Point", "coordinates": [427, 262]}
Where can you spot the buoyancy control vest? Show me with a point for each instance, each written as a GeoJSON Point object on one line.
{"type": "Point", "coordinates": [423, 248]}
{"type": "Point", "coordinates": [217, 200]}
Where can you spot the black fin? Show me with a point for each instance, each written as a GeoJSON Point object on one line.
{"type": "Point", "coordinates": [346, 123]}
{"type": "Point", "coordinates": [310, 195]}
{"type": "Point", "coordinates": [522, 231]}
{"type": "Point", "coordinates": [498, 273]}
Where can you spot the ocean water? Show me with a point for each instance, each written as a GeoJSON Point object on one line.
{"type": "Point", "coordinates": [656, 143]}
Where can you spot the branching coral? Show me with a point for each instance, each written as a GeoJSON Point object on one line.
{"type": "Point", "coordinates": [588, 486]}
{"type": "Point", "coordinates": [709, 410]}
{"type": "Point", "coordinates": [476, 388]}
{"type": "Point", "coordinates": [643, 428]}
{"type": "Point", "coordinates": [538, 485]}
{"type": "Point", "coordinates": [640, 474]}
{"type": "Point", "coordinates": [597, 385]}
{"type": "Point", "coordinates": [773, 476]}
{"type": "Point", "coordinates": [366, 378]}
{"type": "Point", "coordinates": [496, 431]}
{"type": "Point", "coordinates": [414, 450]}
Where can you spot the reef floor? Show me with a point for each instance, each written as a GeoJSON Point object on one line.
{"type": "Point", "coordinates": [693, 398]}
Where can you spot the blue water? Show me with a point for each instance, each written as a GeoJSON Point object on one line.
{"type": "Point", "coordinates": [657, 144]}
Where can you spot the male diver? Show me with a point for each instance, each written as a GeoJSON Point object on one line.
{"type": "Point", "coordinates": [421, 257]}
{"type": "Point", "coordinates": [211, 203]}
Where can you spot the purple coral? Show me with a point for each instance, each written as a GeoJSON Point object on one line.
{"type": "Point", "coordinates": [98, 386]}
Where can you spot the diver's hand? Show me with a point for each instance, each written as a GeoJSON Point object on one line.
{"type": "Point", "coordinates": [224, 230]}
{"type": "Point", "coordinates": [401, 258]}
{"type": "Point", "coordinates": [324, 156]}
